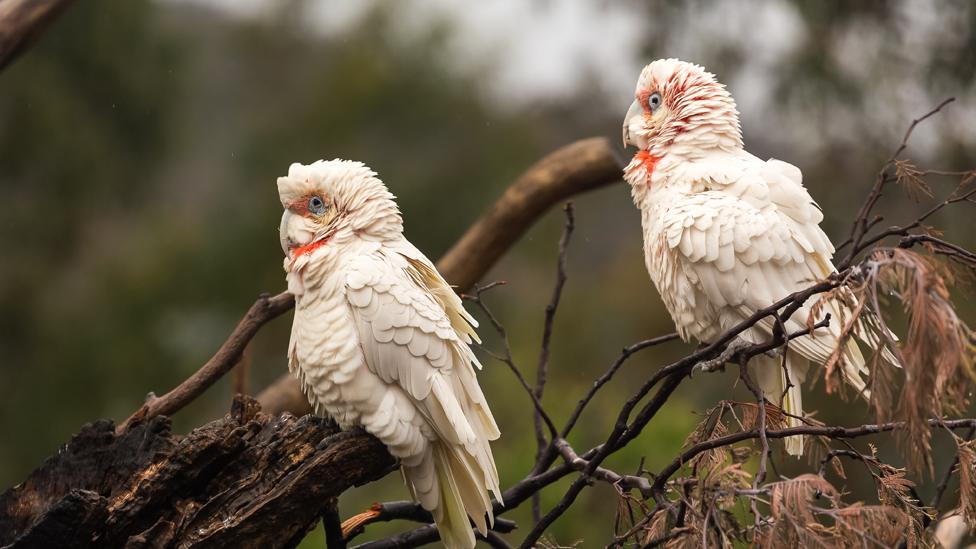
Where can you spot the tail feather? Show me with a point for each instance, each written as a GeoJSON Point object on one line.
{"type": "Point", "coordinates": [855, 367]}
{"type": "Point", "coordinates": [451, 483]}
{"type": "Point", "coordinates": [788, 396]}
{"type": "Point", "coordinates": [450, 516]}
{"type": "Point", "coordinates": [470, 487]}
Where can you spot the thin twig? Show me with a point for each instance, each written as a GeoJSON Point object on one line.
{"type": "Point", "coordinates": [333, 526]}
{"type": "Point", "coordinates": [625, 353]}
{"type": "Point", "coordinates": [508, 360]}
{"type": "Point", "coordinates": [845, 452]}
{"type": "Point", "coordinates": [542, 369]}
{"type": "Point", "coordinates": [860, 226]}
{"type": "Point", "coordinates": [815, 430]}
{"type": "Point", "coordinates": [625, 482]}
{"type": "Point", "coordinates": [761, 428]}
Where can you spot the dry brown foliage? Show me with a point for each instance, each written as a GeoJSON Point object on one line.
{"type": "Point", "coordinates": [937, 352]}
{"type": "Point", "coordinates": [967, 480]}
{"type": "Point", "coordinates": [910, 178]}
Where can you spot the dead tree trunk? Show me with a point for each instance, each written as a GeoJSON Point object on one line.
{"type": "Point", "coordinates": [222, 485]}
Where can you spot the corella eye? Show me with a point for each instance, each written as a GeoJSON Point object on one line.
{"type": "Point", "coordinates": [316, 205]}
{"type": "Point", "coordinates": [654, 102]}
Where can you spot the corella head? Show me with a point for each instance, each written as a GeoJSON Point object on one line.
{"type": "Point", "coordinates": [331, 202]}
{"type": "Point", "coordinates": [679, 107]}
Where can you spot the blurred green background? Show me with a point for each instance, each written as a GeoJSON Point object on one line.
{"type": "Point", "coordinates": [140, 141]}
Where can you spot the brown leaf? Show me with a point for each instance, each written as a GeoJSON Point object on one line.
{"type": "Point", "coordinates": [909, 177]}
{"type": "Point", "coordinates": [967, 480]}
{"type": "Point", "coordinates": [937, 355]}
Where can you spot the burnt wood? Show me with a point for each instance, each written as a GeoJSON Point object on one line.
{"type": "Point", "coordinates": [246, 480]}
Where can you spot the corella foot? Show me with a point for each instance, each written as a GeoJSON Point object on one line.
{"type": "Point", "coordinates": [718, 363]}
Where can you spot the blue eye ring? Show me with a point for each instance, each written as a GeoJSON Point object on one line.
{"type": "Point", "coordinates": [654, 102]}
{"type": "Point", "coordinates": [316, 205]}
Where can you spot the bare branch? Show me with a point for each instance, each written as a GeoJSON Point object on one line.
{"type": "Point", "coordinates": [825, 431]}
{"type": "Point", "coordinates": [264, 309]}
{"type": "Point", "coordinates": [761, 428]}
{"type": "Point", "coordinates": [944, 483]}
{"type": "Point", "coordinates": [510, 362]}
{"type": "Point", "coordinates": [541, 369]}
{"type": "Point", "coordinates": [626, 353]}
{"type": "Point", "coordinates": [860, 226]}
{"type": "Point", "coordinates": [626, 482]}
{"type": "Point", "coordinates": [557, 292]}
{"type": "Point", "coordinates": [21, 21]}
{"type": "Point", "coordinates": [579, 167]}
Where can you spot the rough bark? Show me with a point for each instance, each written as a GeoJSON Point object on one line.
{"type": "Point", "coordinates": [222, 485]}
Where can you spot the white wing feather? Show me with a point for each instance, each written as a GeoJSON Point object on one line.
{"type": "Point", "coordinates": [750, 243]}
{"type": "Point", "coordinates": [416, 336]}
{"type": "Point", "coordinates": [747, 236]}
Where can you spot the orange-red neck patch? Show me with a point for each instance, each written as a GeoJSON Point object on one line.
{"type": "Point", "coordinates": [648, 161]}
{"type": "Point", "coordinates": [307, 249]}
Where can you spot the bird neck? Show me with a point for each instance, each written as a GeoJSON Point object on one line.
{"type": "Point", "coordinates": [640, 172]}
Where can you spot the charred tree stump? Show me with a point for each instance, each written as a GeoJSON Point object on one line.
{"type": "Point", "coordinates": [246, 480]}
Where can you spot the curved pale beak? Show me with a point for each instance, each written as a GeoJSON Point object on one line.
{"type": "Point", "coordinates": [286, 242]}
{"type": "Point", "coordinates": [634, 110]}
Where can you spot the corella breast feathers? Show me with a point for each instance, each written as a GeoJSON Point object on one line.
{"type": "Point", "coordinates": [727, 234]}
{"type": "Point", "coordinates": [381, 341]}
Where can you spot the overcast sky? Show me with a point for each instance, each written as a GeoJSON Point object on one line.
{"type": "Point", "coordinates": [544, 49]}
{"type": "Point", "coordinates": [536, 49]}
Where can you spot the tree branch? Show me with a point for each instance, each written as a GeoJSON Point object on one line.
{"type": "Point", "coordinates": [825, 431]}
{"type": "Point", "coordinates": [21, 21]}
{"type": "Point", "coordinates": [228, 355]}
{"type": "Point", "coordinates": [576, 168]}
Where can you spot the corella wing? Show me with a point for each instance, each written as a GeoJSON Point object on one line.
{"type": "Point", "coordinates": [408, 339]}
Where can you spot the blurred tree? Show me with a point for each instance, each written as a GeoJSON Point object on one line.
{"type": "Point", "coordinates": [85, 119]}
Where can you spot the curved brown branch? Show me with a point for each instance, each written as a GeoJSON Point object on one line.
{"type": "Point", "coordinates": [264, 309]}
{"type": "Point", "coordinates": [579, 167]}
{"type": "Point", "coordinates": [21, 21]}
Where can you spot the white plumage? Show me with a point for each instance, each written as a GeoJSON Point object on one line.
{"type": "Point", "coordinates": [381, 341]}
{"type": "Point", "coordinates": [725, 233]}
